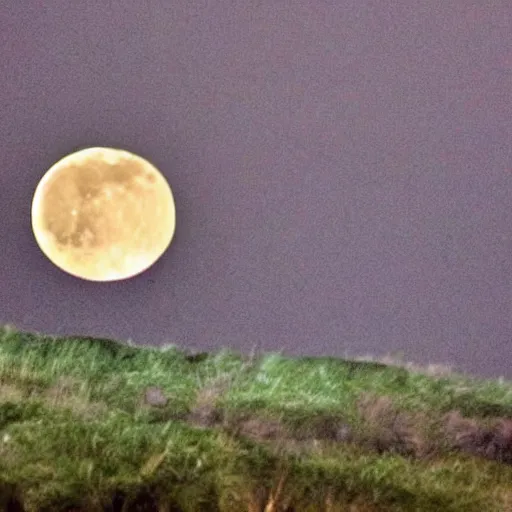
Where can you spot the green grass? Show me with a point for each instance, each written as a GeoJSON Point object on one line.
{"type": "Point", "coordinates": [243, 433]}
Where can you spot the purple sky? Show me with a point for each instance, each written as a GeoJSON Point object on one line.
{"type": "Point", "coordinates": [342, 171]}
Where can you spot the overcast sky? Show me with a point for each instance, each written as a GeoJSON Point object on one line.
{"type": "Point", "coordinates": [342, 171]}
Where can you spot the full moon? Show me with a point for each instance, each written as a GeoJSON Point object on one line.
{"type": "Point", "coordinates": [103, 214]}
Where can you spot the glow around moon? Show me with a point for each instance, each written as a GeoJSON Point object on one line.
{"type": "Point", "coordinates": [103, 214]}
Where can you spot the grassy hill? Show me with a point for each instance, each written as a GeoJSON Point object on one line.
{"type": "Point", "coordinates": [94, 424]}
